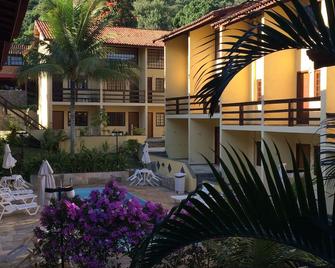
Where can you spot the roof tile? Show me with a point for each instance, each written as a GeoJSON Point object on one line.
{"type": "Point", "coordinates": [118, 35]}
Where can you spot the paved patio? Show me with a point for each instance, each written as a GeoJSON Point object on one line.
{"type": "Point", "coordinates": [17, 229]}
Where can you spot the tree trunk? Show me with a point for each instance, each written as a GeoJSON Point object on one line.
{"type": "Point", "coordinates": [72, 117]}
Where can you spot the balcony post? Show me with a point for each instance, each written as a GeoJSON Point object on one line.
{"type": "Point", "coordinates": [290, 114]}
{"type": "Point", "coordinates": [177, 106]}
{"type": "Point", "coordinates": [241, 110]}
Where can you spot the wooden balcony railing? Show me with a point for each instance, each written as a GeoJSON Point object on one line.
{"type": "Point", "coordinates": [185, 105]}
{"type": "Point", "coordinates": [288, 112]}
{"type": "Point", "coordinates": [81, 95]}
{"type": "Point", "coordinates": [124, 96]}
{"type": "Point", "coordinates": [292, 112]}
{"type": "Point", "coordinates": [177, 105]}
{"type": "Point", "coordinates": [156, 97]}
{"type": "Point", "coordinates": [241, 113]}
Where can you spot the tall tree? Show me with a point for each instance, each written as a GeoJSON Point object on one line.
{"type": "Point", "coordinates": [197, 8]}
{"type": "Point", "coordinates": [155, 14]}
{"type": "Point", "coordinates": [121, 13]}
{"type": "Point", "coordinates": [77, 51]}
{"type": "Point", "coordinates": [32, 14]}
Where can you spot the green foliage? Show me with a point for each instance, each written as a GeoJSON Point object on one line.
{"type": "Point", "coordinates": [87, 160]}
{"type": "Point", "coordinates": [155, 14]}
{"type": "Point", "coordinates": [198, 8]}
{"type": "Point", "coordinates": [239, 253]}
{"type": "Point", "coordinates": [291, 212]}
{"type": "Point", "coordinates": [26, 35]}
{"type": "Point", "coordinates": [121, 13]}
{"type": "Point", "coordinates": [100, 118]}
{"type": "Point", "coordinates": [138, 131]}
{"type": "Point", "coordinates": [51, 139]}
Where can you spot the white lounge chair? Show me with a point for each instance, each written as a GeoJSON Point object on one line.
{"type": "Point", "coordinates": [12, 202]}
{"type": "Point", "coordinates": [16, 182]}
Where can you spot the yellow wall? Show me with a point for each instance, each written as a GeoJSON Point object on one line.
{"type": "Point", "coordinates": [281, 140]}
{"type": "Point", "coordinates": [176, 66]}
{"type": "Point", "coordinates": [202, 56]}
{"type": "Point", "coordinates": [239, 89]}
{"type": "Point", "coordinates": [202, 140]}
{"type": "Point", "coordinates": [330, 90]}
{"type": "Point", "coordinates": [280, 75]}
{"type": "Point", "coordinates": [176, 166]}
{"type": "Point", "coordinates": [176, 138]}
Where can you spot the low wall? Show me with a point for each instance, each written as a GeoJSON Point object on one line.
{"type": "Point", "coordinates": [91, 142]}
{"type": "Point", "coordinates": [168, 167]}
{"type": "Point", "coordinates": [84, 179]}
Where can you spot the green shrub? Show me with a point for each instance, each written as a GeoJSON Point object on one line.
{"type": "Point", "coordinates": [51, 139]}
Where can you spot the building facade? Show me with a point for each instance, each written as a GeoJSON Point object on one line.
{"type": "Point", "coordinates": [280, 98]}
{"type": "Point", "coordinates": [132, 108]}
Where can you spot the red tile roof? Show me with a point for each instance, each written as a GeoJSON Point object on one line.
{"type": "Point", "coordinates": [251, 9]}
{"type": "Point", "coordinates": [44, 29]}
{"type": "Point", "coordinates": [117, 35]}
{"type": "Point", "coordinates": [223, 16]}
{"type": "Point", "coordinates": [18, 49]}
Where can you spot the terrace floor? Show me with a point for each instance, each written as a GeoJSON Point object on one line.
{"type": "Point", "coordinates": [17, 229]}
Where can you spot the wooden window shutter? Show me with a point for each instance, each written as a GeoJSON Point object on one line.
{"type": "Point", "coordinates": [259, 89]}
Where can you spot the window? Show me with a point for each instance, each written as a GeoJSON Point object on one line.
{"type": "Point", "coordinates": [79, 85]}
{"type": "Point", "coordinates": [160, 119]}
{"type": "Point", "coordinates": [160, 84]}
{"type": "Point", "coordinates": [116, 85]}
{"type": "Point", "coordinates": [81, 119]}
{"type": "Point", "coordinates": [259, 89]}
{"type": "Point", "coordinates": [124, 54]}
{"type": "Point", "coordinates": [155, 58]}
{"type": "Point", "coordinates": [258, 147]}
{"type": "Point", "coordinates": [14, 60]}
{"type": "Point", "coordinates": [116, 119]}
{"type": "Point", "coordinates": [317, 83]}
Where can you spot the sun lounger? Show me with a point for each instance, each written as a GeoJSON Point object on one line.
{"type": "Point", "coordinates": [10, 203]}
{"type": "Point", "coordinates": [16, 182]}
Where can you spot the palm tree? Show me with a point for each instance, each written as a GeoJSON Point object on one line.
{"type": "Point", "coordinates": [301, 26]}
{"type": "Point", "coordinates": [292, 214]}
{"type": "Point", "coordinates": [255, 253]}
{"type": "Point", "coordinates": [77, 51]}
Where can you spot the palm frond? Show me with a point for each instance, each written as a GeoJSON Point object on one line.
{"type": "Point", "coordinates": [293, 26]}
{"type": "Point", "coordinates": [282, 210]}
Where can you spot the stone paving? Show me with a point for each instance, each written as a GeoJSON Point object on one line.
{"type": "Point", "coordinates": [17, 229]}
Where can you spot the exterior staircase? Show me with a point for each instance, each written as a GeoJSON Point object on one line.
{"type": "Point", "coordinates": [22, 119]}
{"type": "Point", "coordinates": [157, 146]}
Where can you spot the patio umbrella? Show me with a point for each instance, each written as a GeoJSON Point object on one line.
{"type": "Point", "coordinates": [47, 181]}
{"type": "Point", "coordinates": [145, 156]}
{"type": "Point", "coordinates": [8, 160]}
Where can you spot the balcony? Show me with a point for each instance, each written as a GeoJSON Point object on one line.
{"type": "Point", "coordinates": [185, 105]}
{"type": "Point", "coordinates": [108, 96]}
{"type": "Point", "coordinates": [156, 97]}
{"type": "Point", "coordinates": [81, 95]}
{"type": "Point", "coordinates": [278, 112]}
{"type": "Point", "coordinates": [124, 96]}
